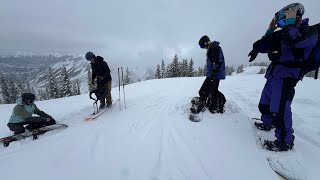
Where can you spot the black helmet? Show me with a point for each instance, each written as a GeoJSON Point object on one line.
{"type": "Point", "coordinates": [204, 41]}
{"type": "Point", "coordinates": [89, 55]}
{"type": "Point", "coordinates": [28, 97]}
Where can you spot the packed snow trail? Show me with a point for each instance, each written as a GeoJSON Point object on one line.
{"type": "Point", "coordinates": [153, 138]}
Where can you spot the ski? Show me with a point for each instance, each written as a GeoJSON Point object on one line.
{"type": "Point", "coordinates": [93, 117]}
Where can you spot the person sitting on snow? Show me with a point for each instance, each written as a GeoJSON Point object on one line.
{"type": "Point", "coordinates": [22, 115]}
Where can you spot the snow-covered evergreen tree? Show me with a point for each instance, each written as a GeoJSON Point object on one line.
{"type": "Point", "coordinates": [262, 71]}
{"type": "Point", "coordinates": [127, 79]}
{"type": "Point", "coordinates": [190, 72]}
{"type": "Point", "coordinates": [229, 70]}
{"type": "Point", "coordinates": [89, 80]}
{"type": "Point", "coordinates": [13, 92]}
{"type": "Point", "coordinates": [163, 70]}
{"type": "Point", "coordinates": [4, 90]}
{"type": "Point", "coordinates": [184, 68]}
{"type": "Point", "coordinates": [240, 69]}
{"type": "Point", "coordinates": [158, 72]}
{"type": "Point", "coordinates": [173, 69]}
{"type": "Point", "coordinates": [52, 88]}
{"type": "Point", "coordinates": [65, 85]}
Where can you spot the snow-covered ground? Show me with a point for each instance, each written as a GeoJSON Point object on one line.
{"type": "Point", "coordinates": [153, 139]}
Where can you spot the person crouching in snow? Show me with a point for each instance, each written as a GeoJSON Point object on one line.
{"type": "Point", "coordinates": [22, 115]}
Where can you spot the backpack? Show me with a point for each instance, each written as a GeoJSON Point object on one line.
{"type": "Point", "coordinates": [218, 105]}
{"type": "Point", "coordinates": [313, 62]}
{"type": "Point", "coordinates": [100, 93]}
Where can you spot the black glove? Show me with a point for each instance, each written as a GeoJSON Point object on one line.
{"type": "Point", "coordinates": [253, 54]}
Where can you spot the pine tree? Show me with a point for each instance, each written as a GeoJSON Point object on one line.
{"type": "Point", "coordinates": [158, 72]}
{"type": "Point", "coordinates": [13, 92]}
{"type": "Point", "coordinates": [262, 71]}
{"type": "Point", "coordinates": [173, 69]}
{"type": "Point", "coordinates": [229, 70]}
{"type": "Point", "coordinates": [89, 80]}
{"type": "Point", "coordinates": [190, 72]}
{"type": "Point", "coordinates": [65, 85]}
{"type": "Point", "coordinates": [127, 77]}
{"type": "Point", "coordinates": [77, 87]}
{"type": "Point", "coordinates": [240, 69]}
{"type": "Point", "coordinates": [52, 88]}
{"type": "Point", "coordinates": [21, 88]}
{"type": "Point", "coordinates": [184, 68]}
{"type": "Point", "coordinates": [4, 90]}
{"type": "Point", "coordinates": [163, 70]}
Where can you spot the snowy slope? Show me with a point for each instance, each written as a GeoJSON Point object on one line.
{"type": "Point", "coordinates": [153, 138]}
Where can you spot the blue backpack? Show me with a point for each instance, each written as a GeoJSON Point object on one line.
{"type": "Point", "coordinates": [313, 62]}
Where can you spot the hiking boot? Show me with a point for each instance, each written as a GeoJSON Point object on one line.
{"type": "Point", "coordinates": [109, 105]}
{"type": "Point", "coordinates": [263, 127]}
{"type": "Point", "coordinates": [102, 105]}
{"type": "Point", "coordinates": [277, 145]}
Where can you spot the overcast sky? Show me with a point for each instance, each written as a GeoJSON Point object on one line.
{"type": "Point", "coordinates": [138, 32]}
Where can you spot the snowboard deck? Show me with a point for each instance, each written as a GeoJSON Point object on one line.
{"type": "Point", "coordinates": [284, 164]}
{"type": "Point", "coordinates": [34, 134]}
{"type": "Point", "coordinates": [194, 105]}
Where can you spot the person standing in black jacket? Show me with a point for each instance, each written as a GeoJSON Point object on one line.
{"type": "Point", "coordinates": [101, 73]}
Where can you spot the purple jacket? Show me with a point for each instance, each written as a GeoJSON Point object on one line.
{"type": "Point", "coordinates": [291, 45]}
{"type": "Point", "coordinates": [215, 61]}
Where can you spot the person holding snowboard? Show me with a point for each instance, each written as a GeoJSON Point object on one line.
{"type": "Point", "coordinates": [101, 72]}
{"type": "Point", "coordinates": [215, 72]}
{"type": "Point", "coordinates": [22, 115]}
{"type": "Point", "coordinates": [286, 49]}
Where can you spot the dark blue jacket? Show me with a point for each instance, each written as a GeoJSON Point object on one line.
{"type": "Point", "coordinates": [215, 61]}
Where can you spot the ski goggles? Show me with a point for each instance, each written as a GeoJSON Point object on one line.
{"type": "Point", "coordinates": [281, 23]}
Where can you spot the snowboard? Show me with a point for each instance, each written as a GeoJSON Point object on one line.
{"type": "Point", "coordinates": [34, 134]}
{"type": "Point", "coordinates": [195, 117]}
{"type": "Point", "coordinates": [94, 116]}
{"type": "Point", "coordinates": [286, 164]}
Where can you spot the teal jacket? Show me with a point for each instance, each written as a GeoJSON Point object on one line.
{"type": "Point", "coordinates": [22, 111]}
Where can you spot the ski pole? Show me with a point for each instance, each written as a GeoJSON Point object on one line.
{"type": "Point", "coordinates": [119, 87]}
{"type": "Point", "coordinates": [124, 94]}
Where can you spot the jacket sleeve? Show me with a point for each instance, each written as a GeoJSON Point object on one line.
{"type": "Point", "coordinates": [269, 42]}
{"type": "Point", "coordinates": [94, 75]}
{"type": "Point", "coordinates": [35, 119]}
{"type": "Point", "coordinates": [300, 38]}
{"type": "Point", "coordinates": [41, 113]}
